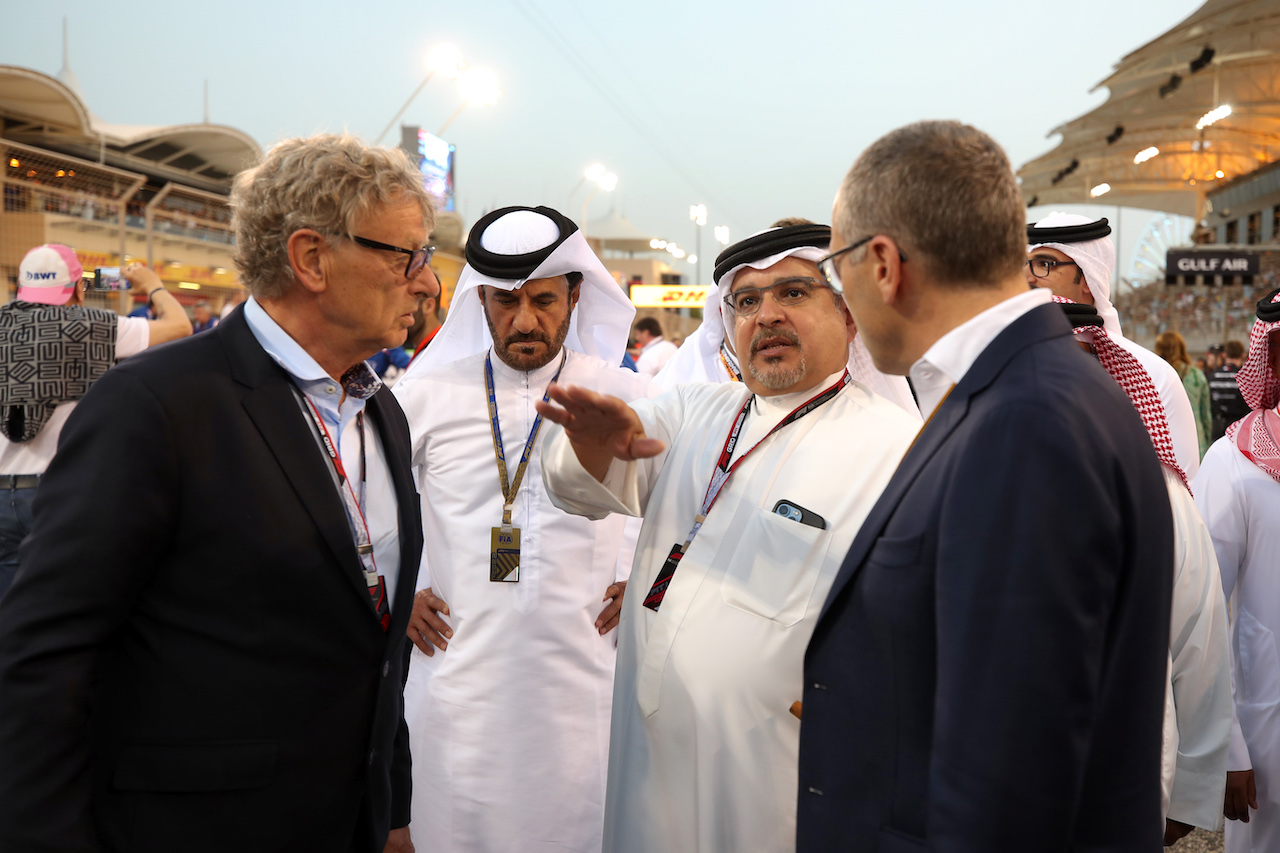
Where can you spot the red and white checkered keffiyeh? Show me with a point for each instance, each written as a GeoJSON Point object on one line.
{"type": "Point", "coordinates": [1131, 376]}
{"type": "Point", "coordinates": [1257, 434]}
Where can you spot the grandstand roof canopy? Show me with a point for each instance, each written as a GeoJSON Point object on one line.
{"type": "Point", "coordinates": [1225, 53]}
{"type": "Point", "coordinates": [43, 110]}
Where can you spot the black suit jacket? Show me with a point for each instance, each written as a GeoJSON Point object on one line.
{"type": "Point", "coordinates": [189, 658]}
{"type": "Point", "coordinates": [988, 672]}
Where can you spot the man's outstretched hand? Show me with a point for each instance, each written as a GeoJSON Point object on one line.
{"type": "Point", "coordinates": [601, 428]}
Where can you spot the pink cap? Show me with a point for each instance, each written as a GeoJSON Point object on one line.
{"type": "Point", "coordinates": [48, 274]}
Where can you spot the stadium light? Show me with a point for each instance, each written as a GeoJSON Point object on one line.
{"type": "Point", "coordinates": [722, 234]}
{"type": "Point", "coordinates": [442, 59]}
{"type": "Point", "coordinates": [1213, 115]}
{"type": "Point", "coordinates": [1100, 189]}
{"type": "Point", "coordinates": [1145, 154]}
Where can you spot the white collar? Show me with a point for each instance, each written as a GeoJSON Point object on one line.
{"type": "Point", "coordinates": [946, 362]}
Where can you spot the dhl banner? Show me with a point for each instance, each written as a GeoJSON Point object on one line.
{"type": "Point", "coordinates": [669, 295]}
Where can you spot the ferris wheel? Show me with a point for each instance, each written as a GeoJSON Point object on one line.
{"type": "Point", "coordinates": [1165, 231]}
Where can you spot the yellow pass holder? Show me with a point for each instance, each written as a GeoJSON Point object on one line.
{"type": "Point", "coordinates": [504, 554]}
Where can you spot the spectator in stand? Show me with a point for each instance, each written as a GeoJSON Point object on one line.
{"type": "Point", "coordinates": [655, 350]}
{"type": "Point", "coordinates": [1224, 394]}
{"type": "Point", "coordinates": [78, 345]}
{"type": "Point", "coordinates": [1172, 348]}
{"type": "Point", "coordinates": [1213, 359]}
{"type": "Point", "coordinates": [203, 316]}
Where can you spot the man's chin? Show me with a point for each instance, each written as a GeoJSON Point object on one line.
{"type": "Point", "coordinates": [534, 357]}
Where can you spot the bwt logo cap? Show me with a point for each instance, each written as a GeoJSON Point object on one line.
{"type": "Point", "coordinates": [48, 274]}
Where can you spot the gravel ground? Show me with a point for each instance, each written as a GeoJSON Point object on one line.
{"type": "Point", "coordinates": [1199, 841]}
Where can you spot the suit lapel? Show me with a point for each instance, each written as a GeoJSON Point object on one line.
{"type": "Point", "coordinates": [932, 436]}
{"type": "Point", "coordinates": [389, 422]}
{"type": "Point", "coordinates": [274, 410]}
{"type": "Point", "coordinates": [1037, 325]}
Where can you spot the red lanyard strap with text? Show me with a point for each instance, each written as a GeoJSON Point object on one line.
{"type": "Point", "coordinates": [354, 505]}
{"type": "Point", "coordinates": [724, 468]}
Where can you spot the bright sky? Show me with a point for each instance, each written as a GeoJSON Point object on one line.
{"type": "Point", "coordinates": [754, 109]}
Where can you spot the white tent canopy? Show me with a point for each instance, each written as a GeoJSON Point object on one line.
{"type": "Point", "coordinates": [616, 232]}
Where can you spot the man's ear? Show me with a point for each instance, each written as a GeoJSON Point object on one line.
{"type": "Point", "coordinates": [850, 325]}
{"type": "Point", "coordinates": [886, 268]}
{"type": "Point", "coordinates": [307, 258]}
{"type": "Point", "coordinates": [574, 293]}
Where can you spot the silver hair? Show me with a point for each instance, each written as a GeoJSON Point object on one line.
{"type": "Point", "coordinates": [946, 193]}
{"type": "Point", "coordinates": [324, 182]}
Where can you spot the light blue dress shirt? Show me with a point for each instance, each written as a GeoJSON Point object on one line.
{"type": "Point", "coordinates": [338, 411]}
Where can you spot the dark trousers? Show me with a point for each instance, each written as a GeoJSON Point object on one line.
{"type": "Point", "coordinates": [15, 524]}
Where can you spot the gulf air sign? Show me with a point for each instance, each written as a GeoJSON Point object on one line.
{"type": "Point", "coordinates": [1186, 263]}
{"type": "Point", "coordinates": [669, 295]}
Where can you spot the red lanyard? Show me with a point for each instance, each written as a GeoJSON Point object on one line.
{"type": "Point", "coordinates": [724, 468]}
{"type": "Point", "coordinates": [354, 505]}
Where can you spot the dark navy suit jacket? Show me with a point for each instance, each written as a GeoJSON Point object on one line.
{"type": "Point", "coordinates": [988, 672]}
{"type": "Point", "coordinates": [189, 658]}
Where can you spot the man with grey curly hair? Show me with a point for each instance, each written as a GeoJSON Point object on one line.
{"type": "Point", "coordinates": [207, 629]}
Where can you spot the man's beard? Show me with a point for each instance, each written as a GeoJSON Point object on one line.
{"type": "Point", "coordinates": [774, 377]}
{"type": "Point", "coordinates": [516, 360]}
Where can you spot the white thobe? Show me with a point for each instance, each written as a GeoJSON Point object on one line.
{"type": "Point", "coordinates": [654, 356]}
{"type": "Point", "coordinates": [1177, 405]}
{"type": "Point", "coordinates": [704, 748]}
{"type": "Point", "coordinates": [1241, 507]}
{"type": "Point", "coordinates": [1197, 719]}
{"type": "Point", "coordinates": [509, 726]}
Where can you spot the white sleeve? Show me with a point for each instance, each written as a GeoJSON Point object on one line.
{"type": "Point", "coordinates": [627, 550]}
{"type": "Point", "coordinates": [1200, 672]}
{"type": "Point", "coordinates": [132, 336]}
{"type": "Point", "coordinates": [1223, 514]}
{"type": "Point", "coordinates": [627, 485]}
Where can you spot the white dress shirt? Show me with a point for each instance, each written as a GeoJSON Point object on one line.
{"type": "Point", "coordinates": [949, 359]}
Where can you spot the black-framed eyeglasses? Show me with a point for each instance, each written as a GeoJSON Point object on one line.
{"type": "Point", "coordinates": [746, 302]}
{"type": "Point", "coordinates": [1041, 267]}
{"type": "Point", "coordinates": [418, 258]}
{"type": "Point", "coordinates": [827, 266]}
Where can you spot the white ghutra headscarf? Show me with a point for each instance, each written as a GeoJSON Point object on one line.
{"type": "Point", "coordinates": [513, 245]}
{"type": "Point", "coordinates": [698, 359]}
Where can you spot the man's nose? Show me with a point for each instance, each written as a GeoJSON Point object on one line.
{"type": "Point", "coordinates": [425, 284]}
{"type": "Point", "coordinates": [771, 310]}
{"type": "Point", "coordinates": [525, 320]}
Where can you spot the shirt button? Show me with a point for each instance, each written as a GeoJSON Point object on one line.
{"type": "Point", "coordinates": [386, 667]}
{"type": "Point", "coordinates": [330, 389]}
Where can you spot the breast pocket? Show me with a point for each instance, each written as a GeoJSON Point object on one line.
{"type": "Point", "coordinates": [774, 567]}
